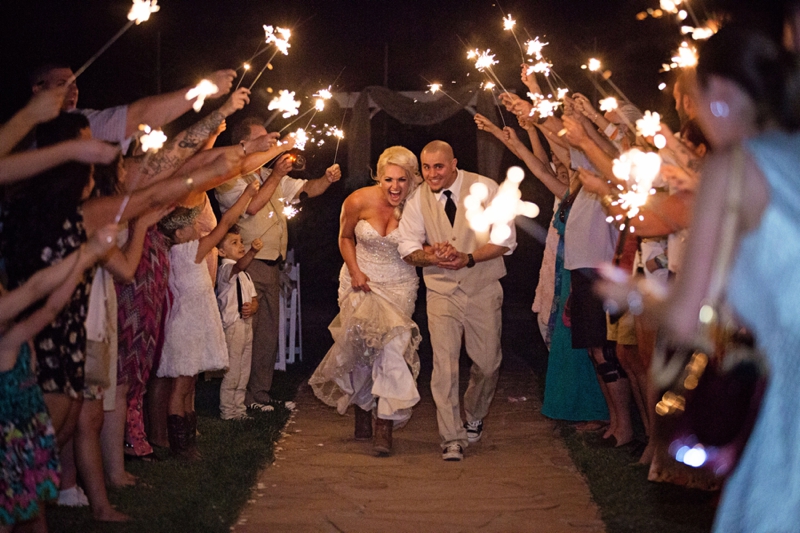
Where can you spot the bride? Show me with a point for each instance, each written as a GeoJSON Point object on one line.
{"type": "Point", "coordinates": [373, 362]}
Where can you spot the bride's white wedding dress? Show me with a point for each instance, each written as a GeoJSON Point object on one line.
{"type": "Point", "coordinates": [374, 354]}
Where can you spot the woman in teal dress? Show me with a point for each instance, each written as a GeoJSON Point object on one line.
{"type": "Point", "coordinates": [571, 390]}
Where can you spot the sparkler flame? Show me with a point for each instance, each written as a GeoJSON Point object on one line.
{"type": "Point", "coordinates": [542, 67]}
{"type": "Point", "coordinates": [594, 65]}
{"type": "Point", "coordinates": [151, 139]}
{"type": "Point", "coordinates": [484, 60]}
{"type": "Point", "coordinates": [509, 23]}
{"type": "Point", "coordinates": [488, 86]}
{"type": "Point", "coordinates": [686, 56]}
{"type": "Point", "coordinates": [534, 48]}
{"type": "Point", "coordinates": [499, 214]}
{"type": "Point", "coordinates": [325, 94]}
{"type": "Point", "coordinates": [300, 138]}
{"type": "Point", "coordinates": [141, 10]}
{"type": "Point", "coordinates": [279, 37]}
{"type": "Point", "coordinates": [649, 125]}
{"type": "Point", "coordinates": [201, 91]}
{"type": "Point", "coordinates": [608, 104]}
{"type": "Point", "coordinates": [639, 169]}
{"type": "Point", "coordinates": [543, 106]}
{"type": "Point", "coordinates": [434, 87]}
{"type": "Point", "coordinates": [319, 104]}
{"type": "Point", "coordinates": [286, 103]}
{"type": "Point", "coordinates": [289, 210]}
{"type": "Point", "coordinates": [562, 93]}
{"type": "Point", "coordinates": [698, 34]}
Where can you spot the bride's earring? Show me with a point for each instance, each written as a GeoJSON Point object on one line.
{"type": "Point", "coordinates": [719, 108]}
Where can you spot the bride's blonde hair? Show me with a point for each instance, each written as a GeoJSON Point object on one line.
{"type": "Point", "coordinates": [405, 159]}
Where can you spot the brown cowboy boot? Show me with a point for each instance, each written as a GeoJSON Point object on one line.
{"type": "Point", "coordinates": [382, 442]}
{"type": "Point", "coordinates": [191, 436]}
{"type": "Point", "coordinates": [363, 424]}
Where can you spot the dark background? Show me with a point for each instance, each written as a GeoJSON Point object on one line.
{"type": "Point", "coordinates": [349, 44]}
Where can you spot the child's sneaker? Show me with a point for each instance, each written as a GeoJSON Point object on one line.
{"type": "Point", "coordinates": [73, 497]}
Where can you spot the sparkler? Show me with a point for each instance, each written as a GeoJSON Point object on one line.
{"type": "Point", "coordinates": [608, 104]}
{"type": "Point", "coordinates": [534, 48]}
{"type": "Point", "coordinates": [649, 125]}
{"type": "Point", "coordinates": [434, 88]}
{"type": "Point", "coordinates": [300, 138]}
{"type": "Point", "coordinates": [151, 142]}
{"type": "Point", "coordinates": [140, 12]}
{"type": "Point", "coordinates": [686, 56]}
{"type": "Point", "coordinates": [489, 86]}
{"type": "Point", "coordinates": [200, 92]}
{"type": "Point", "coordinates": [500, 213]}
{"type": "Point", "coordinates": [484, 62]}
{"type": "Point", "coordinates": [285, 103]}
{"type": "Point", "coordinates": [246, 68]}
{"type": "Point", "coordinates": [508, 25]}
{"type": "Point", "coordinates": [279, 37]}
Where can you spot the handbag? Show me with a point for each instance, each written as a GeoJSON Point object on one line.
{"type": "Point", "coordinates": [714, 386]}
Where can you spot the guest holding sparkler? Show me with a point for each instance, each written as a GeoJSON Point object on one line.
{"type": "Point", "coordinates": [118, 124]}
{"type": "Point", "coordinates": [265, 218]}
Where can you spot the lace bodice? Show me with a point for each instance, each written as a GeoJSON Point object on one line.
{"type": "Point", "coordinates": [379, 260]}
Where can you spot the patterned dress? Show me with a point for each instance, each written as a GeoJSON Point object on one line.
{"type": "Point", "coordinates": [61, 345]}
{"type": "Point", "coordinates": [141, 306]}
{"type": "Point", "coordinates": [30, 469]}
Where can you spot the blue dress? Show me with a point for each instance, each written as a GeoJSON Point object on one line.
{"type": "Point", "coordinates": [571, 390]}
{"type": "Point", "coordinates": [763, 494]}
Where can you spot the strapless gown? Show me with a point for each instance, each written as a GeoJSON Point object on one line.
{"type": "Point", "coordinates": [374, 354]}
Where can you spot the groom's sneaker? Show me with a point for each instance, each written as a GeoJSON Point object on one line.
{"type": "Point", "coordinates": [453, 452]}
{"type": "Point", "coordinates": [474, 431]}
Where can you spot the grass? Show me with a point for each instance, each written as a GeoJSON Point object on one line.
{"type": "Point", "coordinates": [203, 496]}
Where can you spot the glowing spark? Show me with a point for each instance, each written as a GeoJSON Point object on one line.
{"type": "Point", "coordinates": [333, 131]}
{"type": "Point", "coordinates": [141, 10]}
{"type": "Point", "coordinates": [669, 6]}
{"type": "Point", "coordinates": [484, 59]}
{"type": "Point", "coordinates": [698, 34]}
{"type": "Point", "coordinates": [542, 105]}
{"type": "Point", "coordinates": [285, 102]}
{"type": "Point", "coordinates": [279, 37]}
{"type": "Point", "coordinates": [509, 23]}
{"type": "Point", "coordinates": [246, 66]}
{"type": "Point", "coordinates": [542, 67]}
{"type": "Point", "coordinates": [325, 94]}
{"type": "Point", "coordinates": [649, 125]}
{"type": "Point", "coordinates": [201, 91]}
{"type": "Point", "coordinates": [682, 14]}
{"type": "Point", "coordinates": [562, 93]}
{"type": "Point", "coordinates": [300, 138]}
{"type": "Point", "coordinates": [593, 65]}
{"type": "Point", "coordinates": [660, 141]}
{"type": "Point", "coordinates": [662, 86]}
{"type": "Point", "coordinates": [289, 210]}
{"type": "Point", "coordinates": [319, 104]}
{"type": "Point", "coordinates": [534, 48]}
{"type": "Point", "coordinates": [488, 86]}
{"type": "Point", "coordinates": [686, 56]}
{"type": "Point", "coordinates": [608, 104]}
{"type": "Point", "coordinates": [151, 139]}
{"type": "Point", "coordinates": [498, 216]}
{"type": "Point", "coordinates": [433, 87]}
{"type": "Point", "coordinates": [639, 169]}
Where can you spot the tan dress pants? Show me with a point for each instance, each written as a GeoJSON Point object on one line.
{"type": "Point", "coordinates": [267, 281]}
{"type": "Point", "coordinates": [477, 317]}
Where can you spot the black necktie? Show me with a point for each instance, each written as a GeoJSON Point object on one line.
{"type": "Point", "coordinates": [450, 208]}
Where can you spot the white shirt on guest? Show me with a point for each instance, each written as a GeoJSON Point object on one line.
{"type": "Point", "coordinates": [227, 299]}
{"type": "Point", "coordinates": [289, 188]}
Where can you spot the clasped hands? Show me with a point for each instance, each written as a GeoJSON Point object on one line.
{"type": "Point", "coordinates": [448, 257]}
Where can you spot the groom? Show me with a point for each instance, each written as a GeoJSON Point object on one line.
{"type": "Point", "coordinates": [462, 271]}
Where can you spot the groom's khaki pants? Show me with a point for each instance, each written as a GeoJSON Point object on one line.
{"type": "Point", "coordinates": [477, 317]}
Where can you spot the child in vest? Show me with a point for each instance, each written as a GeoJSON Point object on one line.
{"type": "Point", "coordinates": [236, 297]}
{"type": "Point", "coordinates": [194, 341]}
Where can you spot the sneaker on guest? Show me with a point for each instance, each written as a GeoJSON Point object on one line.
{"type": "Point", "coordinates": [255, 406]}
{"type": "Point", "coordinates": [73, 497]}
{"type": "Point", "coordinates": [474, 431]}
{"type": "Point", "coordinates": [453, 452]}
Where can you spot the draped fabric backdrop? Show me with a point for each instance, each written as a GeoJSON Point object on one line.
{"type": "Point", "coordinates": [415, 113]}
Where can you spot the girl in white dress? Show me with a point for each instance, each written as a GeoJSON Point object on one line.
{"type": "Point", "coordinates": [373, 363]}
{"type": "Point", "coordinates": [194, 341]}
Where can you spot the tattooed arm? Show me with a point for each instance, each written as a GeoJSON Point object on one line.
{"type": "Point", "coordinates": [148, 169]}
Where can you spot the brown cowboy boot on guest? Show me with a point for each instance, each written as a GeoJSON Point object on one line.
{"type": "Point", "coordinates": [191, 436]}
{"type": "Point", "coordinates": [363, 424]}
{"type": "Point", "coordinates": [382, 442]}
